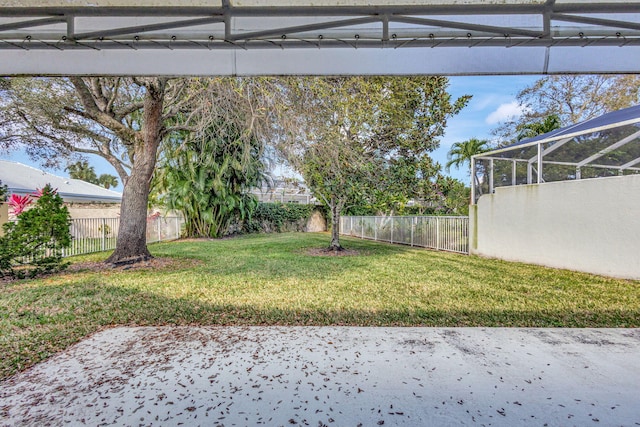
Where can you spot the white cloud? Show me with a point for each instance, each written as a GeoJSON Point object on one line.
{"type": "Point", "coordinates": [505, 112]}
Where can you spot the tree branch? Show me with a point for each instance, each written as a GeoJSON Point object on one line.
{"type": "Point", "coordinates": [93, 112]}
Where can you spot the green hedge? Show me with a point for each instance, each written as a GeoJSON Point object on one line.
{"type": "Point", "coordinates": [278, 217]}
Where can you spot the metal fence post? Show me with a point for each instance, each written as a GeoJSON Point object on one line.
{"type": "Point", "coordinates": [437, 233]}
{"type": "Point", "coordinates": [391, 229]}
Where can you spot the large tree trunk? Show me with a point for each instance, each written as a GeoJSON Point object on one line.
{"type": "Point", "coordinates": [335, 226]}
{"type": "Point", "coordinates": [131, 246]}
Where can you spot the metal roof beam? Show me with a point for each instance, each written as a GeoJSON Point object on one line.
{"type": "Point", "coordinates": [503, 31]}
{"type": "Point", "coordinates": [303, 28]}
{"type": "Point", "coordinates": [551, 149]}
{"type": "Point", "coordinates": [31, 23]}
{"type": "Point", "coordinates": [147, 28]}
{"type": "Point", "coordinates": [596, 21]}
{"type": "Point", "coordinates": [629, 164]}
{"type": "Point", "coordinates": [35, 43]}
{"type": "Point", "coordinates": [267, 11]}
{"type": "Point", "coordinates": [609, 149]}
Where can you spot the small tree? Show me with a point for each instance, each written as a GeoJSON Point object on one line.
{"type": "Point", "coordinates": [366, 139]}
{"type": "Point", "coordinates": [34, 243]}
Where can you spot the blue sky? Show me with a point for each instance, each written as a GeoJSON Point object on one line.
{"type": "Point", "coordinates": [493, 100]}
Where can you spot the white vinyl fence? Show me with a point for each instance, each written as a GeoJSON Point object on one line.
{"type": "Point", "coordinates": [100, 234]}
{"type": "Point", "coordinates": [443, 233]}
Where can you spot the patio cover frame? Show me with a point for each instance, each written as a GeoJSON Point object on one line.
{"type": "Point", "coordinates": [616, 119]}
{"type": "Point", "coordinates": [95, 27]}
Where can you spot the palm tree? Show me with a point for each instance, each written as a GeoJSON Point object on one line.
{"type": "Point", "coordinates": [461, 153]}
{"type": "Point", "coordinates": [529, 130]}
{"type": "Point", "coordinates": [107, 181]}
{"type": "Point", "coordinates": [81, 170]}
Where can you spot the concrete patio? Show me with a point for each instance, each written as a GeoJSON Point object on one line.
{"type": "Point", "coordinates": [340, 376]}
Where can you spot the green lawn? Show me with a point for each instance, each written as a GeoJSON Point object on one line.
{"type": "Point", "coordinates": [271, 280]}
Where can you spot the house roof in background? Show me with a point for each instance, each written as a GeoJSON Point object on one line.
{"type": "Point", "coordinates": [23, 179]}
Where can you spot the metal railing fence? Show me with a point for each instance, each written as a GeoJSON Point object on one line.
{"type": "Point", "coordinates": [283, 197]}
{"type": "Point", "coordinates": [443, 233]}
{"type": "Point", "coordinates": [100, 234]}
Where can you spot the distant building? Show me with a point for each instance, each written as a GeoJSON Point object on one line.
{"type": "Point", "coordinates": [84, 200]}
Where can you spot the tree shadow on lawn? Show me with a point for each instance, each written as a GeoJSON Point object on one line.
{"type": "Point", "coordinates": [43, 320]}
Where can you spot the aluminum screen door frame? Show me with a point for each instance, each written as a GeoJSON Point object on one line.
{"type": "Point", "coordinates": [323, 37]}
{"type": "Point", "coordinates": [559, 137]}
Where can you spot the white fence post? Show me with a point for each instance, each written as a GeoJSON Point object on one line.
{"type": "Point", "coordinates": [412, 219]}
{"type": "Point", "coordinates": [375, 228]}
{"type": "Point", "coordinates": [438, 233]}
{"type": "Point", "coordinates": [104, 234]}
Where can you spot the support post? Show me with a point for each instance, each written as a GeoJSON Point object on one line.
{"type": "Point", "coordinates": [473, 180]}
{"type": "Point", "coordinates": [514, 171]}
{"type": "Point", "coordinates": [491, 176]}
{"type": "Point", "coordinates": [437, 233]}
{"type": "Point", "coordinates": [539, 163]}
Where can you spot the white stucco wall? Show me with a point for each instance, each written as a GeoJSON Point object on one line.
{"type": "Point", "coordinates": [592, 225]}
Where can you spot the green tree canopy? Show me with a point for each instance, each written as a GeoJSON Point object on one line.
{"type": "Point", "coordinates": [366, 139]}
{"type": "Point", "coordinates": [529, 130]}
{"type": "Point", "coordinates": [461, 153]}
{"type": "Point", "coordinates": [572, 99]}
{"type": "Point", "coordinates": [85, 172]}
{"type": "Point", "coordinates": [207, 177]}
{"type": "Point", "coordinates": [3, 192]}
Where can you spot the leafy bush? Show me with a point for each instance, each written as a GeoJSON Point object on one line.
{"type": "Point", "coordinates": [3, 192]}
{"type": "Point", "coordinates": [278, 217]}
{"type": "Point", "coordinates": [33, 244]}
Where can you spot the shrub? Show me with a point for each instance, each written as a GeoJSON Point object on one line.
{"type": "Point", "coordinates": [278, 217]}
{"type": "Point", "coordinates": [3, 192]}
{"type": "Point", "coordinates": [33, 244]}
